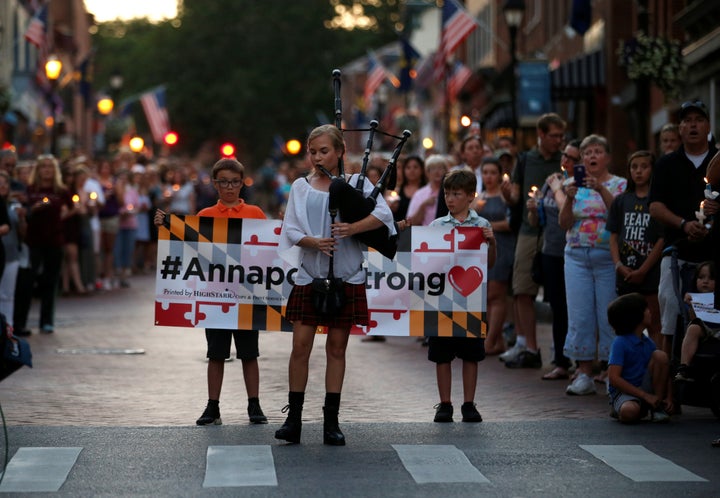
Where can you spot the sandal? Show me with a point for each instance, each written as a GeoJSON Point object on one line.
{"type": "Point", "coordinates": [557, 373]}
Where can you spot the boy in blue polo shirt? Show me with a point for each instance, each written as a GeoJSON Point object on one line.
{"type": "Point", "coordinates": [460, 188]}
{"type": "Point", "coordinates": [638, 372]}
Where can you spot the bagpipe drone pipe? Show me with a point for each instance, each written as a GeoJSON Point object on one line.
{"type": "Point", "coordinates": [350, 201]}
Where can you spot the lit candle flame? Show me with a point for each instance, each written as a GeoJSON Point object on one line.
{"type": "Point", "coordinates": [76, 198]}
{"type": "Point", "coordinates": [506, 177]}
{"type": "Point", "coordinates": [93, 196]}
{"type": "Point", "coordinates": [130, 207]}
{"type": "Point", "coordinates": [176, 187]}
{"type": "Point", "coordinates": [45, 200]}
{"type": "Point", "coordinates": [533, 191]}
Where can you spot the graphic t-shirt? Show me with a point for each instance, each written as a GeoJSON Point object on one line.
{"type": "Point", "coordinates": [637, 233]}
{"type": "Point", "coordinates": [590, 215]}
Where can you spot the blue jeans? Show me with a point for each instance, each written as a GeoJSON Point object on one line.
{"type": "Point", "coordinates": [590, 287]}
{"type": "Point", "coordinates": [124, 248]}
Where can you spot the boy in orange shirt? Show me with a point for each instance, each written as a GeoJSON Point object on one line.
{"type": "Point", "coordinates": [228, 175]}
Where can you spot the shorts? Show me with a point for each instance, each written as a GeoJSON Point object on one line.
{"type": "Point", "coordinates": [525, 249]}
{"type": "Point", "coordinates": [446, 349]}
{"type": "Point", "coordinates": [111, 224]}
{"type": "Point", "coordinates": [618, 398]}
{"type": "Point", "coordinates": [218, 343]}
{"type": "Point", "coordinates": [708, 332]}
{"type": "Point", "coordinates": [355, 312]}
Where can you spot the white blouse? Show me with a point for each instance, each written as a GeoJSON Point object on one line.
{"type": "Point", "coordinates": [307, 215]}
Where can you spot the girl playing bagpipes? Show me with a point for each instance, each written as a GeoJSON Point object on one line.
{"type": "Point", "coordinates": [329, 286]}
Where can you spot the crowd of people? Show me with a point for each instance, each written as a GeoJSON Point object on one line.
{"type": "Point", "coordinates": [563, 217]}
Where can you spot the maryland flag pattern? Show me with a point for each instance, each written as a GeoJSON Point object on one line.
{"type": "Point", "coordinates": [226, 273]}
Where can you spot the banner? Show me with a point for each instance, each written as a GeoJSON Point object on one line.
{"type": "Point", "coordinates": [226, 273]}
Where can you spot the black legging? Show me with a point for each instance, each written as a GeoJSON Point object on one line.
{"type": "Point", "coordinates": [554, 272]}
{"type": "Point", "coordinates": [46, 263]}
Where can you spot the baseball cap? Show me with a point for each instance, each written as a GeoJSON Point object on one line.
{"type": "Point", "coordinates": [502, 152]}
{"type": "Point", "coordinates": [693, 106]}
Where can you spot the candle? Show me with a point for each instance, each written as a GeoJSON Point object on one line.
{"type": "Point", "coordinates": [700, 215]}
{"type": "Point", "coordinates": [45, 200]}
{"type": "Point", "coordinates": [506, 177]}
{"type": "Point", "coordinates": [93, 197]}
{"type": "Point", "coordinates": [564, 171]}
{"type": "Point", "coordinates": [176, 187]}
{"type": "Point", "coordinates": [130, 207]}
{"type": "Point", "coordinates": [76, 198]}
{"type": "Point", "coordinates": [533, 192]}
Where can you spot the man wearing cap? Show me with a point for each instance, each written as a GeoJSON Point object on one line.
{"type": "Point", "coordinates": [676, 192]}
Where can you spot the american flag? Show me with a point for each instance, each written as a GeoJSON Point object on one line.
{"type": "Point", "coordinates": [153, 103]}
{"type": "Point", "coordinates": [457, 24]}
{"type": "Point", "coordinates": [36, 32]}
{"type": "Point", "coordinates": [460, 75]}
{"type": "Point", "coordinates": [376, 75]}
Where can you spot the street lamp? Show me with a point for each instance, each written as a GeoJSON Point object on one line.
{"type": "Point", "coordinates": [105, 105]}
{"type": "Point", "coordinates": [116, 83]}
{"type": "Point", "coordinates": [514, 10]}
{"type": "Point", "coordinates": [53, 68]}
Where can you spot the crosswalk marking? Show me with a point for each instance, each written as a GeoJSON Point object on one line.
{"type": "Point", "coordinates": [233, 466]}
{"type": "Point", "coordinates": [640, 464]}
{"type": "Point", "coordinates": [437, 463]}
{"type": "Point", "coordinates": [38, 469]}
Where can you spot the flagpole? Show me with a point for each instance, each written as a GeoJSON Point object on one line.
{"type": "Point", "coordinates": [446, 109]}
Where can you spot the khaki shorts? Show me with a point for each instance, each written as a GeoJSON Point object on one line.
{"type": "Point", "coordinates": [522, 282]}
{"type": "Point", "coordinates": [110, 224]}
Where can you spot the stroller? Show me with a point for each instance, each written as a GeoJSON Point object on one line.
{"type": "Point", "coordinates": [705, 390]}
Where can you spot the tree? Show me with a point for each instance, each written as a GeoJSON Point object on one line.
{"type": "Point", "coordinates": [241, 70]}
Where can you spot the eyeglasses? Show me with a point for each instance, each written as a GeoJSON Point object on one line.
{"type": "Point", "coordinates": [571, 158]}
{"type": "Point", "coordinates": [228, 183]}
{"type": "Point", "coordinates": [697, 103]}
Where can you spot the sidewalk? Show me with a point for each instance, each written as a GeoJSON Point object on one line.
{"type": "Point", "coordinates": [108, 365]}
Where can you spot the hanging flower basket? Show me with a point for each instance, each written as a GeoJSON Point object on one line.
{"type": "Point", "coordinates": [658, 59]}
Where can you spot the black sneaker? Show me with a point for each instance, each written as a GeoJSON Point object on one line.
{"type": "Point", "coordinates": [255, 413]}
{"type": "Point", "coordinates": [684, 374]}
{"type": "Point", "coordinates": [211, 416]}
{"type": "Point", "coordinates": [443, 412]}
{"type": "Point", "coordinates": [526, 359]}
{"type": "Point", "coordinates": [470, 413]}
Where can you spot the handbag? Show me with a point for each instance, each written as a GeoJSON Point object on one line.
{"type": "Point", "coordinates": [17, 350]}
{"type": "Point", "coordinates": [328, 293]}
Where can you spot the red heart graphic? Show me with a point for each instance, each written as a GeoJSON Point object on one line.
{"type": "Point", "coordinates": [465, 281]}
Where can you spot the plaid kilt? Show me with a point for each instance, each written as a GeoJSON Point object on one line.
{"type": "Point", "coordinates": [355, 312]}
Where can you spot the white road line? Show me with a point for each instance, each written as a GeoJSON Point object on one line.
{"type": "Point", "coordinates": [640, 464]}
{"type": "Point", "coordinates": [234, 466]}
{"type": "Point", "coordinates": [437, 463]}
{"type": "Point", "coordinates": [38, 469]}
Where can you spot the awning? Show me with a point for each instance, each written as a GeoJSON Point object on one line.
{"type": "Point", "coordinates": [578, 77]}
{"type": "Point", "coordinates": [500, 117]}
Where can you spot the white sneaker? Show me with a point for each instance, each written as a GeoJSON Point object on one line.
{"type": "Point", "coordinates": [581, 386]}
{"type": "Point", "coordinates": [512, 353]}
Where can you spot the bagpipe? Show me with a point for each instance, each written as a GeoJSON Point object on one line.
{"type": "Point", "coordinates": [351, 201]}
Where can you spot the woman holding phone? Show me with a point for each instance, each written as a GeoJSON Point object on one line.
{"type": "Point", "coordinates": [589, 268]}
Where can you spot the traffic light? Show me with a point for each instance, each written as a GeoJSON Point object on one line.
{"type": "Point", "coordinates": [170, 138]}
{"type": "Point", "coordinates": [227, 150]}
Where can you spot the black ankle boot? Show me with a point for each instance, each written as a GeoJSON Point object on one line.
{"type": "Point", "coordinates": [291, 429]}
{"type": "Point", "coordinates": [332, 434]}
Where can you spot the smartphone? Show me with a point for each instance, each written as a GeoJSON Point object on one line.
{"type": "Point", "coordinates": [579, 175]}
